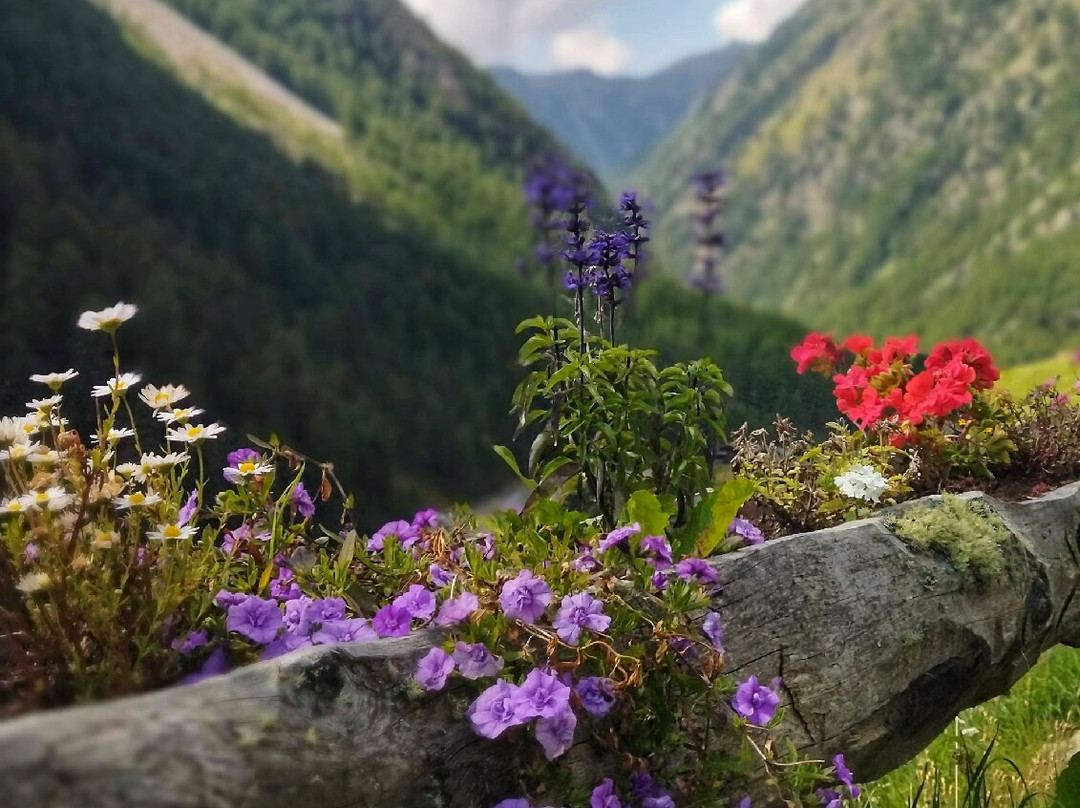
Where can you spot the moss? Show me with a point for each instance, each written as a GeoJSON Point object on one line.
{"type": "Point", "coordinates": [967, 532]}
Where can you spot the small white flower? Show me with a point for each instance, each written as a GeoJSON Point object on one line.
{"type": "Point", "coordinates": [180, 415]}
{"type": "Point", "coordinates": [20, 428]}
{"type": "Point", "coordinates": [13, 506]}
{"type": "Point", "coordinates": [862, 482]}
{"type": "Point", "coordinates": [118, 386]}
{"type": "Point", "coordinates": [171, 531]}
{"type": "Point", "coordinates": [107, 320]}
{"type": "Point", "coordinates": [165, 396]}
{"type": "Point", "coordinates": [136, 499]}
{"type": "Point", "coordinates": [45, 457]}
{"type": "Point", "coordinates": [128, 470]}
{"type": "Point", "coordinates": [43, 405]}
{"type": "Point", "coordinates": [19, 451]}
{"type": "Point", "coordinates": [194, 433]}
{"type": "Point", "coordinates": [33, 582]}
{"type": "Point", "coordinates": [150, 464]}
{"type": "Point", "coordinates": [54, 380]}
{"type": "Point", "coordinates": [238, 473]}
{"type": "Point", "coordinates": [104, 539]}
{"type": "Point", "coordinates": [116, 434]}
{"type": "Point", "coordinates": [53, 499]}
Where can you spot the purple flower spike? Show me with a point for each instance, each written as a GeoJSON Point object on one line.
{"type": "Point", "coordinates": [454, 611]}
{"type": "Point", "coordinates": [597, 695]}
{"type": "Point", "coordinates": [579, 612]}
{"type": "Point", "coordinates": [604, 796]}
{"type": "Point", "coordinates": [418, 601]}
{"type": "Point", "coordinates": [556, 734]}
{"type": "Point", "coordinates": [392, 620]}
{"type": "Point", "coordinates": [712, 629]}
{"type": "Point", "coordinates": [353, 629]}
{"type": "Point", "coordinates": [256, 618]}
{"type": "Point", "coordinates": [619, 538]}
{"type": "Point", "coordinates": [525, 598]}
{"type": "Point", "coordinates": [542, 695]}
{"type": "Point", "coordinates": [475, 661]}
{"type": "Point", "coordinates": [696, 570]}
{"type": "Point", "coordinates": [755, 702]}
{"type": "Point", "coordinates": [433, 668]}
{"type": "Point", "coordinates": [496, 710]}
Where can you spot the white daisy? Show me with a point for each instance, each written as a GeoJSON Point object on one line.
{"type": "Point", "coordinates": [43, 405]}
{"type": "Point", "coordinates": [19, 451]}
{"type": "Point", "coordinates": [171, 531]}
{"type": "Point", "coordinates": [118, 386]}
{"type": "Point", "coordinates": [104, 539]}
{"type": "Point", "coordinates": [54, 498]}
{"type": "Point", "coordinates": [128, 470]}
{"type": "Point", "coordinates": [136, 499]}
{"type": "Point", "coordinates": [45, 457]}
{"type": "Point", "coordinates": [194, 433]}
{"type": "Point", "coordinates": [116, 434]}
{"type": "Point", "coordinates": [180, 415]}
{"type": "Point", "coordinates": [33, 582]}
{"type": "Point", "coordinates": [164, 396]}
{"type": "Point", "coordinates": [241, 471]}
{"type": "Point", "coordinates": [54, 380]}
{"type": "Point", "coordinates": [107, 320]}
{"type": "Point", "coordinates": [13, 506]}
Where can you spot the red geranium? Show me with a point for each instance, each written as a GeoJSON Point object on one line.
{"type": "Point", "coordinates": [817, 352]}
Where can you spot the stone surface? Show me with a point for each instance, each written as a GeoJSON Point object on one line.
{"type": "Point", "coordinates": [878, 648]}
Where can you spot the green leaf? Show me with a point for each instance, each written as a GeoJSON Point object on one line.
{"type": "Point", "coordinates": [511, 461]}
{"type": "Point", "coordinates": [723, 507]}
{"type": "Point", "coordinates": [347, 552]}
{"type": "Point", "coordinates": [644, 508]}
{"type": "Point", "coordinates": [1067, 789]}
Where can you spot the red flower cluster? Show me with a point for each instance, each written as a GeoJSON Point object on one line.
{"type": "Point", "coordinates": [881, 384]}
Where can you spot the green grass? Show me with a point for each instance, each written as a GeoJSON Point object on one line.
{"type": "Point", "coordinates": [1023, 378]}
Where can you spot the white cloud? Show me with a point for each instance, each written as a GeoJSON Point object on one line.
{"type": "Point", "coordinates": [492, 31]}
{"type": "Point", "coordinates": [752, 20]}
{"type": "Point", "coordinates": [591, 49]}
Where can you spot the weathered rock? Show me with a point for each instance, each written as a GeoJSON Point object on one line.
{"type": "Point", "coordinates": [878, 648]}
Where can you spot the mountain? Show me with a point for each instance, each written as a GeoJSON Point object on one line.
{"type": "Point", "coordinates": [899, 166]}
{"type": "Point", "coordinates": [612, 122]}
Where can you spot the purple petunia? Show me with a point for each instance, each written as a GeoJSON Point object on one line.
{"type": "Point", "coordinates": [556, 734]}
{"type": "Point", "coordinates": [225, 598]}
{"type": "Point", "coordinates": [392, 620]}
{"type": "Point", "coordinates": [454, 611]}
{"type": "Point", "coordinates": [439, 576]}
{"type": "Point", "coordinates": [830, 798]}
{"type": "Point", "coordinates": [283, 644]}
{"type": "Point", "coordinates": [433, 668]}
{"type": "Point", "coordinates": [659, 549]}
{"type": "Point", "coordinates": [195, 639]}
{"type": "Point", "coordinates": [215, 664]}
{"type": "Point", "coordinates": [585, 562]}
{"type": "Point", "coordinates": [327, 609]}
{"type": "Point", "coordinates": [604, 796]}
{"type": "Point", "coordinates": [284, 586]}
{"type": "Point", "coordinates": [648, 792]}
{"type": "Point", "coordinates": [755, 702]}
{"type": "Point", "coordinates": [747, 529]}
{"type": "Point", "coordinates": [542, 695]}
{"type": "Point", "coordinates": [428, 517]}
{"type": "Point", "coordinates": [297, 617]}
{"type": "Point", "coordinates": [405, 532]}
{"type": "Point", "coordinates": [189, 509]}
{"type": "Point", "coordinates": [525, 597]}
{"type": "Point", "coordinates": [844, 775]}
{"type": "Point", "coordinates": [577, 612]}
{"type": "Point", "coordinates": [514, 803]}
{"type": "Point", "coordinates": [352, 629]}
{"type": "Point", "coordinates": [497, 709]}
{"type": "Point", "coordinates": [258, 619]}
{"type": "Point", "coordinates": [696, 570]}
{"type": "Point", "coordinates": [619, 538]}
{"type": "Point", "coordinates": [235, 458]}
{"type": "Point", "coordinates": [476, 660]}
{"type": "Point", "coordinates": [301, 500]}
{"type": "Point", "coordinates": [597, 695]}
{"type": "Point", "coordinates": [418, 601]}
{"type": "Point", "coordinates": [712, 629]}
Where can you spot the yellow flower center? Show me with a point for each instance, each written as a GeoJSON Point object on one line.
{"type": "Point", "coordinates": [171, 532]}
{"type": "Point", "coordinates": [41, 496]}
{"type": "Point", "coordinates": [14, 505]}
{"type": "Point", "coordinates": [247, 467]}
{"type": "Point", "coordinates": [194, 431]}
{"type": "Point", "coordinates": [161, 399]}
{"type": "Point", "coordinates": [137, 498]}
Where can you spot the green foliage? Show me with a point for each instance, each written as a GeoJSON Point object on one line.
{"type": "Point", "coordinates": [1067, 787]}
{"type": "Point", "coordinates": [967, 532]}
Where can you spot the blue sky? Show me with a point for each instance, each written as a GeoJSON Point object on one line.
{"type": "Point", "coordinates": [613, 37]}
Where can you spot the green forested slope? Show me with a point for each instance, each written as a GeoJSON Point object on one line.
{"type": "Point", "coordinates": [901, 165]}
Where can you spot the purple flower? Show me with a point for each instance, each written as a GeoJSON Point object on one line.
{"type": "Point", "coordinates": [585, 562]}
{"type": "Point", "coordinates": [353, 629]}
{"type": "Point", "coordinates": [454, 611]}
{"type": "Point", "coordinates": [755, 702]}
{"type": "Point", "coordinates": [327, 609]}
{"type": "Point", "coordinates": [597, 695]}
{"type": "Point", "coordinates": [284, 587]}
{"type": "Point", "coordinates": [301, 500]}
{"type": "Point", "coordinates": [659, 581]}
{"type": "Point", "coordinates": [405, 532]}
{"type": "Point", "coordinates": [696, 570]}
{"type": "Point", "coordinates": [418, 601]}
{"type": "Point", "coordinates": [235, 458]}
{"type": "Point", "coordinates": [542, 695]}
{"type": "Point", "coordinates": [830, 798]}
{"type": "Point", "coordinates": [649, 792]}
{"type": "Point", "coordinates": [31, 552]}
{"type": "Point", "coordinates": [214, 665]}
{"type": "Point", "coordinates": [712, 629]}
{"type": "Point", "coordinates": [439, 576]}
{"type": "Point", "coordinates": [660, 550]}
{"type": "Point", "coordinates": [258, 619]}
{"type": "Point", "coordinates": [475, 660]}
{"type": "Point", "coordinates": [225, 598]}
{"type": "Point", "coordinates": [298, 615]}
{"type": "Point", "coordinates": [577, 612]}
{"type": "Point", "coordinates": [190, 508]}
{"type": "Point", "coordinates": [524, 598]}
{"type": "Point", "coordinates": [195, 639]}
{"type": "Point", "coordinates": [604, 796]}
{"type": "Point", "coordinates": [433, 668]}
{"type": "Point", "coordinates": [746, 529]}
{"type": "Point", "coordinates": [515, 803]}
{"type": "Point", "coordinates": [620, 538]}
{"type": "Point", "coordinates": [487, 546]}
{"type": "Point", "coordinates": [284, 644]}
{"type": "Point", "coordinates": [497, 709]}
{"type": "Point", "coordinates": [556, 734]}
{"type": "Point", "coordinates": [744, 803]}
{"type": "Point", "coordinates": [429, 517]}
{"type": "Point", "coordinates": [392, 620]}
{"type": "Point", "coordinates": [844, 775]}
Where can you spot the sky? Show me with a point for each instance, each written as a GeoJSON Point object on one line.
{"type": "Point", "coordinates": [610, 37]}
